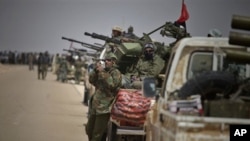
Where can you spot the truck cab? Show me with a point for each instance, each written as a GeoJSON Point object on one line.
{"type": "Point", "coordinates": [205, 90]}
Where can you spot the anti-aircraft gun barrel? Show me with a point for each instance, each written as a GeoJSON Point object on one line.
{"type": "Point", "coordinates": [102, 37]}
{"type": "Point", "coordinates": [81, 52]}
{"type": "Point", "coordinates": [68, 50]}
{"type": "Point", "coordinates": [239, 38]}
{"type": "Point", "coordinates": [240, 22]}
{"type": "Point", "coordinates": [90, 46]}
{"type": "Point", "coordinates": [73, 51]}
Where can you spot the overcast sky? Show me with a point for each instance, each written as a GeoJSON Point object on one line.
{"type": "Point", "coordinates": [38, 25]}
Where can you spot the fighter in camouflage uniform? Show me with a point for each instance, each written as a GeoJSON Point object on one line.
{"type": "Point", "coordinates": [107, 82]}
{"type": "Point", "coordinates": [63, 69]}
{"type": "Point", "coordinates": [149, 65]}
{"type": "Point", "coordinates": [79, 64]}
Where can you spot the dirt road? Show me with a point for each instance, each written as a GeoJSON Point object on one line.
{"type": "Point", "coordinates": [39, 110]}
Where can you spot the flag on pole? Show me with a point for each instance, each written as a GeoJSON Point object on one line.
{"type": "Point", "coordinates": [184, 15]}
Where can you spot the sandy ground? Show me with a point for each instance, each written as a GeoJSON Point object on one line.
{"type": "Point", "coordinates": [4, 68]}
{"type": "Point", "coordinates": [39, 110]}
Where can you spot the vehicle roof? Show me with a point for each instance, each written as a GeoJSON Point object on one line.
{"type": "Point", "coordinates": [196, 42]}
{"type": "Point", "coordinates": [205, 41]}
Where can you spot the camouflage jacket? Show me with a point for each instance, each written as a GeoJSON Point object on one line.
{"type": "Point", "coordinates": [78, 65]}
{"type": "Point", "coordinates": [63, 66]}
{"type": "Point", "coordinates": [107, 84]}
{"type": "Point", "coordinates": [147, 68]}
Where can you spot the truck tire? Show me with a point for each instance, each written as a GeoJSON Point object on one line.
{"type": "Point", "coordinates": [209, 84]}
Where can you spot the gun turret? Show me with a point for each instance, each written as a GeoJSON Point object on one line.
{"type": "Point", "coordinates": [239, 38]}
{"type": "Point", "coordinates": [173, 30]}
{"type": "Point", "coordinates": [102, 37]}
{"type": "Point", "coordinates": [81, 52]}
{"type": "Point", "coordinates": [75, 51]}
{"type": "Point", "coordinates": [70, 51]}
{"type": "Point", "coordinates": [85, 52]}
{"type": "Point", "coordinates": [90, 46]}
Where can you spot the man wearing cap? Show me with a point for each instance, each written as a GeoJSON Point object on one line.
{"type": "Point", "coordinates": [116, 32]}
{"type": "Point", "coordinates": [116, 35]}
{"type": "Point", "coordinates": [130, 34]}
{"type": "Point", "coordinates": [107, 82]}
{"type": "Point", "coordinates": [149, 65]}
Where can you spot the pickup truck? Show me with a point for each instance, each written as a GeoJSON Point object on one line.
{"type": "Point", "coordinates": [205, 90]}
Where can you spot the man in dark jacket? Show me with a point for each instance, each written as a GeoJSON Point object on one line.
{"type": "Point", "coordinates": [43, 63]}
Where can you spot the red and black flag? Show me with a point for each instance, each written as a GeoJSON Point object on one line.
{"type": "Point", "coordinates": [183, 17]}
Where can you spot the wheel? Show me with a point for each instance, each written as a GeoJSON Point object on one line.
{"type": "Point", "coordinates": [112, 136]}
{"type": "Point", "coordinates": [209, 84]}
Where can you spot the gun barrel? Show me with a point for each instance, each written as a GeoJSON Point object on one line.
{"type": "Point", "coordinates": [102, 37]}
{"type": "Point", "coordinates": [87, 34]}
{"type": "Point", "coordinates": [237, 38]}
{"type": "Point", "coordinates": [65, 50]}
{"type": "Point", "coordinates": [90, 46]}
{"type": "Point", "coordinates": [240, 22]}
{"type": "Point", "coordinates": [97, 36]}
{"type": "Point", "coordinates": [72, 40]}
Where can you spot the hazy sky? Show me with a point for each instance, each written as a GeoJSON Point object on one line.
{"type": "Point", "coordinates": [38, 25]}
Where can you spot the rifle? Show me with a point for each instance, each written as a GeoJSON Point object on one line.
{"type": "Point", "coordinates": [238, 38]}
{"type": "Point", "coordinates": [102, 37]}
{"type": "Point", "coordinates": [90, 46]}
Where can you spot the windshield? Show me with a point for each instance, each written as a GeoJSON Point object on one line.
{"type": "Point", "coordinates": [200, 62]}
{"type": "Point", "coordinates": [203, 61]}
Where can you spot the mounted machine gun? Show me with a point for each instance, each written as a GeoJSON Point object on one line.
{"type": "Point", "coordinates": [90, 46]}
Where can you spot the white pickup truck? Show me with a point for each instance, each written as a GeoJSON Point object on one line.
{"type": "Point", "coordinates": [206, 89]}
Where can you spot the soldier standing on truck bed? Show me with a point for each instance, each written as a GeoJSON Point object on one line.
{"type": "Point", "coordinates": [107, 82]}
{"type": "Point", "coordinates": [116, 34]}
{"type": "Point", "coordinates": [130, 33]}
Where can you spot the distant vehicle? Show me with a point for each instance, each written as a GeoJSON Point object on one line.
{"type": "Point", "coordinates": [4, 58]}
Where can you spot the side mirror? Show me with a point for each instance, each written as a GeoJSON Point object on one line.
{"type": "Point", "coordinates": [149, 87]}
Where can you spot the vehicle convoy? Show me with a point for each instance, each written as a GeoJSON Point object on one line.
{"type": "Point", "coordinates": [204, 78]}
{"type": "Point", "coordinates": [205, 90]}
{"type": "Point", "coordinates": [129, 110]}
{"type": "Point", "coordinates": [76, 53]}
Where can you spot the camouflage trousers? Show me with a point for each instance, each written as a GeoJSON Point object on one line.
{"type": "Point", "coordinates": [42, 71]}
{"type": "Point", "coordinates": [78, 75]}
{"type": "Point", "coordinates": [96, 127]}
{"type": "Point", "coordinates": [62, 75]}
